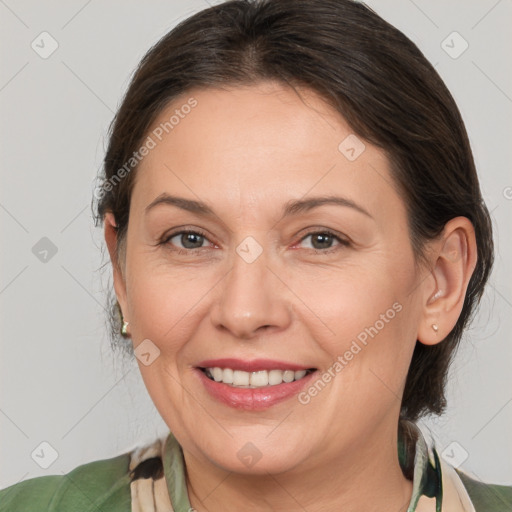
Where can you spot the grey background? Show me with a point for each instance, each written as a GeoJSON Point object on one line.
{"type": "Point", "coordinates": [60, 383]}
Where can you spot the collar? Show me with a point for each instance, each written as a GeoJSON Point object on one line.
{"type": "Point", "coordinates": [421, 465]}
{"type": "Point", "coordinates": [436, 485]}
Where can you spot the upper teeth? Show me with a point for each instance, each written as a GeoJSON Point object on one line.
{"type": "Point", "coordinates": [253, 379]}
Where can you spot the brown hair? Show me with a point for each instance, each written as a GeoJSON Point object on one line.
{"type": "Point", "coordinates": [367, 70]}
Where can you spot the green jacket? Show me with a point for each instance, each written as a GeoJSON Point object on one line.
{"type": "Point", "coordinates": [152, 477]}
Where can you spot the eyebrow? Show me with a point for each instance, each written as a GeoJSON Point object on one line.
{"type": "Point", "coordinates": [293, 207]}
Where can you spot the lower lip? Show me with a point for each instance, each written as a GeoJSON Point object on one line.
{"type": "Point", "coordinates": [253, 399]}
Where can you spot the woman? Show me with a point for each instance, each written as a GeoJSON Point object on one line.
{"type": "Point", "coordinates": [298, 240]}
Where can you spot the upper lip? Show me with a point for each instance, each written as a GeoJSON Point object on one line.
{"type": "Point", "coordinates": [251, 366]}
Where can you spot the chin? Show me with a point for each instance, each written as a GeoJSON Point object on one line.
{"type": "Point", "coordinates": [258, 457]}
{"type": "Point", "coordinates": [257, 466]}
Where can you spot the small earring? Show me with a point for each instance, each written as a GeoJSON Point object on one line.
{"type": "Point", "coordinates": [434, 326]}
{"type": "Point", "coordinates": [124, 330]}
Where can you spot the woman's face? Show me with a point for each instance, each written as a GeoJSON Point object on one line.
{"type": "Point", "coordinates": [262, 281]}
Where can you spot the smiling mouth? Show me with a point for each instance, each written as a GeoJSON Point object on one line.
{"type": "Point", "coordinates": [257, 379]}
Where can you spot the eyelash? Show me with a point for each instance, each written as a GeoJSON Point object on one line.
{"type": "Point", "coordinates": [343, 243]}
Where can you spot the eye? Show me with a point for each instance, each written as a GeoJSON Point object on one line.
{"type": "Point", "coordinates": [189, 240]}
{"type": "Point", "coordinates": [321, 241]}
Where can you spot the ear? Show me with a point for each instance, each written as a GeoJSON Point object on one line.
{"type": "Point", "coordinates": [119, 279]}
{"type": "Point", "coordinates": [453, 259]}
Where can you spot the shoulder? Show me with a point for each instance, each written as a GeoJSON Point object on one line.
{"type": "Point", "coordinates": [101, 484]}
{"type": "Point", "coordinates": [487, 497]}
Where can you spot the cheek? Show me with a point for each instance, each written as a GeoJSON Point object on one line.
{"type": "Point", "coordinates": [364, 320]}
{"type": "Point", "coordinates": [165, 300]}
{"type": "Point", "coordinates": [355, 301]}
{"type": "Point", "coordinates": [163, 307]}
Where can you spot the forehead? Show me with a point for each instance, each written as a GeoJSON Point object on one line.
{"type": "Point", "coordinates": [259, 145]}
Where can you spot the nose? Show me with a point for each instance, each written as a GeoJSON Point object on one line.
{"type": "Point", "coordinates": [253, 299]}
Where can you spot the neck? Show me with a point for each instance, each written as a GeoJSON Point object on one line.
{"type": "Point", "coordinates": [365, 477]}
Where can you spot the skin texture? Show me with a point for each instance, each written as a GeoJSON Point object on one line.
{"type": "Point", "coordinates": [246, 151]}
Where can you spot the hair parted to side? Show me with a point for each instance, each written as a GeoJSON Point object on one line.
{"type": "Point", "coordinates": [368, 71]}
